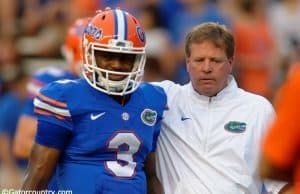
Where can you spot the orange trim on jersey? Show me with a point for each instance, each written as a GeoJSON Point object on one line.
{"type": "Point", "coordinates": [51, 101]}
{"type": "Point", "coordinates": [43, 112]}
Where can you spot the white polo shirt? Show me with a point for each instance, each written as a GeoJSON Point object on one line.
{"type": "Point", "coordinates": [210, 145]}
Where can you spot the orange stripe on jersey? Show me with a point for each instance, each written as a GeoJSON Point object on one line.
{"type": "Point", "coordinates": [51, 101]}
{"type": "Point", "coordinates": [43, 112]}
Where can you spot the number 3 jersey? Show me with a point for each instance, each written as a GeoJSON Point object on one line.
{"type": "Point", "coordinates": [104, 144]}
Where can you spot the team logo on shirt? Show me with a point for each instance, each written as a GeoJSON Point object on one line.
{"type": "Point", "coordinates": [235, 126]}
{"type": "Point", "coordinates": [149, 116]}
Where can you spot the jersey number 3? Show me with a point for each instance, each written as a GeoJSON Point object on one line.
{"type": "Point", "coordinates": [125, 144]}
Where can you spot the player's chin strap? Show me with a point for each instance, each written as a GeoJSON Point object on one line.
{"type": "Point", "coordinates": [113, 88]}
{"type": "Point", "coordinates": [116, 89]}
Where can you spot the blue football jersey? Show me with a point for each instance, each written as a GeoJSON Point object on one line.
{"type": "Point", "coordinates": [41, 78]}
{"type": "Point", "coordinates": [105, 144]}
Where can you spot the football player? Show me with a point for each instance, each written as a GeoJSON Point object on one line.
{"type": "Point", "coordinates": [102, 129]}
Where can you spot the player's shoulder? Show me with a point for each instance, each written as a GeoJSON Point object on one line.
{"type": "Point", "coordinates": [172, 89]}
{"type": "Point", "coordinates": [153, 92]}
{"type": "Point", "coordinates": [151, 88]}
{"type": "Point", "coordinates": [61, 89]}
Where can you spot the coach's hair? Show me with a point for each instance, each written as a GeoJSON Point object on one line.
{"type": "Point", "coordinates": [218, 34]}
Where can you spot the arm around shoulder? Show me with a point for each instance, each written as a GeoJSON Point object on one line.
{"type": "Point", "coordinates": [167, 85]}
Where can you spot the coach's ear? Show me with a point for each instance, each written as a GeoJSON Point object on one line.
{"type": "Point", "coordinates": [230, 63]}
{"type": "Point", "coordinates": [188, 63]}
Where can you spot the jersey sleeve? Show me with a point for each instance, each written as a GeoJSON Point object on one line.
{"type": "Point", "coordinates": [54, 117]}
{"type": "Point", "coordinates": [282, 143]}
{"type": "Point", "coordinates": [52, 135]}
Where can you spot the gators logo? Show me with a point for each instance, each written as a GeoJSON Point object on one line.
{"type": "Point", "coordinates": [95, 32]}
{"type": "Point", "coordinates": [235, 126]}
{"type": "Point", "coordinates": [141, 34]}
{"type": "Point", "coordinates": [149, 116]}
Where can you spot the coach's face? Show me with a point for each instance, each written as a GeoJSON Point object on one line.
{"type": "Point", "coordinates": [208, 67]}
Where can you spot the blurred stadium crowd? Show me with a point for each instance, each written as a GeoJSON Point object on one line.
{"type": "Point", "coordinates": [32, 32]}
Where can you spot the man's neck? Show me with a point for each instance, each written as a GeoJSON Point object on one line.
{"type": "Point", "coordinates": [121, 99]}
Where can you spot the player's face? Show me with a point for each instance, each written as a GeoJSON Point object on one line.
{"type": "Point", "coordinates": [115, 62]}
{"type": "Point", "coordinates": [208, 67]}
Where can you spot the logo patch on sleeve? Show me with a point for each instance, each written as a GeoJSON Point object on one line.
{"type": "Point", "coordinates": [235, 126]}
{"type": "Point", "coordinates": [149, 116]}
